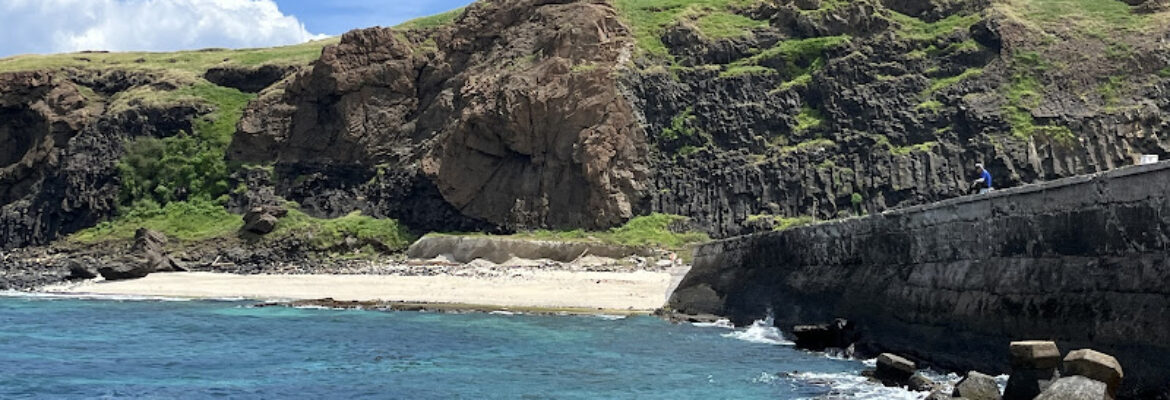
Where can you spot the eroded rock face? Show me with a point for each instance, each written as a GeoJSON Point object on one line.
{"type": "Point", "coordinates": [514, 120]}
{"type": "Point", "coordinates": [44, 189]}
{"type": "Point", "coordinates": [59, 148]}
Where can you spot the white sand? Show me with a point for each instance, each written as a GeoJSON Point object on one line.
{"type": "Point", "coordinates": [642, 290]}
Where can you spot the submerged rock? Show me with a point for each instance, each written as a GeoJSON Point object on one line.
{"type": "Point", "coordinates": [894, 370]}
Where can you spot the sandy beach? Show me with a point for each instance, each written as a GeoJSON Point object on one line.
{"type": "Point", "coordinates": [642, 291]}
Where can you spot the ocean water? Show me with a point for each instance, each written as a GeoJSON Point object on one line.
{"type": "Point", "coordinates": [71, 348]}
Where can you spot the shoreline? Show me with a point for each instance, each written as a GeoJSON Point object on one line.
{"type": "Point", "coordinates": [538, 291]}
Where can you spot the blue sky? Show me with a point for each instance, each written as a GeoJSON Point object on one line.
{"type": "Point", "coordinates": [54, 26]}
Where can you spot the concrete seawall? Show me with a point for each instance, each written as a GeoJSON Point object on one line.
{"type": "Point", "coordinates": [1082, 261]}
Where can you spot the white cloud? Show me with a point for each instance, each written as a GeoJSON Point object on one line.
{"type": "Point", "coordinates": [50, 26]}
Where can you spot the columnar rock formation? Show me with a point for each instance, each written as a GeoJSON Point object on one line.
{"type": "Point", "coordinates": [1081, 260]}
{"type": "Point", "coordinates": [513, 117]}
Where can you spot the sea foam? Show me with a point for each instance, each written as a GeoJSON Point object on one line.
{"type": "Point", "coordinates": [762, 331]}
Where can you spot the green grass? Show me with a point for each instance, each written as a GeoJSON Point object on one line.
{"type": "Point", "coordinates": [681, 127]}
{"type": "Point", "coordinates": [918, 30]}
{"type": "Point", "coordinates": [931, 105]}
{"type": "Point", "coordinates": [741, 70]}
{"type": "Point", "coordinates": [915, 148]}
{"type": "Point", "coordinates": [793, 58]}
{"type": "Point", "coordinates": [185, 63]}
{"type": "Point", "coordinates": [1111, 91]}
{"type": "Point", "coordinates": [943, 83]}
{"type": "Point", "coordinates": [723, 25]}
{"type": "Point", "coordinates": [808, 118]}
{"type": "Point", "coordinates": [186, 165]}
{"type": "Point", "coordinates": [648, 19]}
{"type": "Point", "coordinates": [1025, 91]}
{"type": "Point", "coordinates": [645, 231]}
{"type": "Point", "coordinates": [1097, 18]}
{"type": "Point", "coordinates": [186, 221]}
{"type": "Point", "coordinates": [329, 234]}
{"type": "Point", "coordinates": [800, 81]}
{"type": "Point", "coordinates": [1164, 72]}
{"type": "Point", "coordinates": [432, 21]}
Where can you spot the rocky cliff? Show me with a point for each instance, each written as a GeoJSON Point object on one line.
{"type": "Point", "coordinates": [744, 115]}
{"type": "Point", "coordinates": [560, 114]}
{"type": "Point", "coordinates": [1082, 261]}
{"type": "Point", "coordinates": [510, 118]}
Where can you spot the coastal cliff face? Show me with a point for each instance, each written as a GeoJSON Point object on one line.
{"type": "Point", "coordinates": [559, 114]}
{"type": "Point", "coordinates": [59, 146]}
{"type": "Point", "coordinates": [510, 118]}
{"type": "Point", "coordinates": [525, 114]}
{"type": "Point", "coordinates": [1082, 261]}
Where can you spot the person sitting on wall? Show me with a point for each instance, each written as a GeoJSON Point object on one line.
{"type": "Point", "coordinates": [984, 181]}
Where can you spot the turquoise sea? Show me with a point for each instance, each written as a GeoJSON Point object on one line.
{"type": "Point", "coordinates": [73, 348]}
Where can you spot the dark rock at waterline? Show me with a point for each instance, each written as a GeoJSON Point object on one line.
{"type": "Point", "coordinates": [893, 370]}
{"type": "Point", "coordinates": [977, 386]}
{"type": "Point", "coordinates": [920, 383]}
{"type": "Point", "coordinates": [818, 337]}
{"type": "Point", "coordinates": [1076, 388]}
{"type": "Point", "coordinates": [1026, 384]}
{"type": "Point", "coordinates": [1033, 369]}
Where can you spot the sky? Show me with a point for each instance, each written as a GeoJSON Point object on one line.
{"type": "Point", "coordinates": [57, 26]}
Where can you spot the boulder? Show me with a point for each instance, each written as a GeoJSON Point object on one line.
{"type": "Point", "coordinates": [920, 383]}
{"type": "Point", "coordinates": [1094, 365]}
{"type": "Point", "coordinates": [893, 370]}
{"type": "Point", "coordinates": [146, 256]}
{"type": "Point", "coordinates": [1076, 388]}
{"type": "Point", "coordinates": [1026, 384]}
{"type": "Point", "coordinates": [263, 220]}
{"type": "Point", "coordinates": [1034, 354]}
{"type": "Point", "coordinates": [259, 223]}
{"type": "Point", "coordinates": [818, 337]}
{"type": "Point", "coordinates": [1033, 369]}
{"type": "Point", "coordinates": [126, 269]}
{"type": "Point", "coordinates": [82, 269]}
{"type": "Point", "coordinates": [977, 386]}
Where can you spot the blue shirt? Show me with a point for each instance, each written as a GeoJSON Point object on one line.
{"type": "Point", "coordinates": [987, 178]}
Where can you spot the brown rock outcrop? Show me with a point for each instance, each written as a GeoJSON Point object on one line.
{"type": "Point", "coordinates": [514, 117]}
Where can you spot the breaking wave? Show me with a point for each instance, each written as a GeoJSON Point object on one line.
{"type": "Point", "coordinates": [762, 331]}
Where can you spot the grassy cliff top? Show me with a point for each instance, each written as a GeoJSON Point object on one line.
{"type": "Point", "coordinates": [192, 62]}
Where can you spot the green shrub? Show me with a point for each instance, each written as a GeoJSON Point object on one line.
{"type": "Point", "coordinates": [808, 118]}
{"type": "Point", "coordinates": [194, 220]}
{"type": "Point", "coordinates": [184, 166]}
{"type": "Point", "coordinates": [328, 234]}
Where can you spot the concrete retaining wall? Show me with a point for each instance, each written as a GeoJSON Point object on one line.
{"type": "Point", "coordinates": [1081, 260]}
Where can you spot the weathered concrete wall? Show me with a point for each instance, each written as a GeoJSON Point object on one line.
{"type": "Point", "coordinates": [1082, 261]}
{"type": "Point", "coordinates": [499, 250]}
